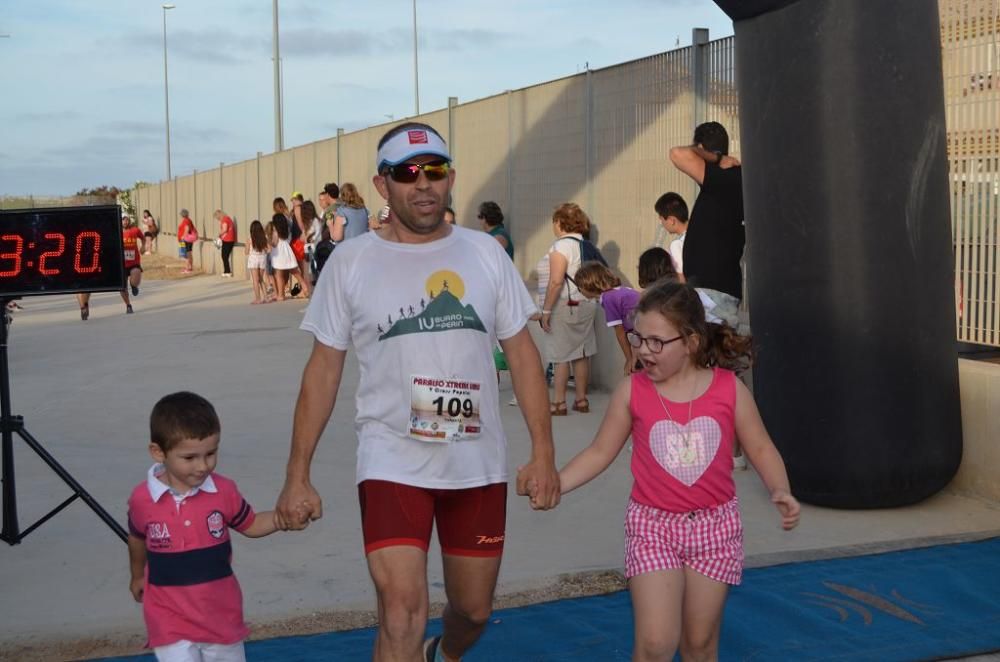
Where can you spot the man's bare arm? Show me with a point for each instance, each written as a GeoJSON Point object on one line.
{"type": "Point", "coordinates": [317, 396]}
{"type": "Point", "coordinates": [533, 398]}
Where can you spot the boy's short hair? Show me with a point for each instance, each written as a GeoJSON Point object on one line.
{"type": "Point", "coordinates": [712, 136]}
{"type": "Point", "coordinates": [180, 416]}
{"type": "Point", "coordinates": [672, 204]}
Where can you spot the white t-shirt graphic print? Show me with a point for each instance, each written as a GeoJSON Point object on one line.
{"type": "Point", "coordinates": [432, 311]}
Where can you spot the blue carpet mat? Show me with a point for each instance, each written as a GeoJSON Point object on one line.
{"type": "Point", "coordinates": [911, 605]}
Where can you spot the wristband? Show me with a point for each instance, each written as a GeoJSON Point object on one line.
{"type": "Point", "coordinates": [546, 312]}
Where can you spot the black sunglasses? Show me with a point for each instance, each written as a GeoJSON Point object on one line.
{"type": "Point", "coordinates": [407, 173]}
{"type": "Point", "coordinates": [655, 345]}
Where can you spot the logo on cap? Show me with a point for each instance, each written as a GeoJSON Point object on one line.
{"type": "Point", "coordinates": [417, 137]}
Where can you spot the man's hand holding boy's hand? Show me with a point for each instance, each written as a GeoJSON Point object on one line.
{"type": "Point", "coordinates": [298, 504]}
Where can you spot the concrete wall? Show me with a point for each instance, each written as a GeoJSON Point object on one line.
{"type": "Point", "coordinates": [978, 474]}
{"type": "Point", "coordinates": [599, 138]}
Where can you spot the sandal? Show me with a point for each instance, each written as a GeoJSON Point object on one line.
{"type": "Point", "coordinates": [582, 405]}
{"type": "Point", "coordinates": [557, 408]}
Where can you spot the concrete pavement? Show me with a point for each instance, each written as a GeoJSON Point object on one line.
{"type": "Point", "coordinates": [86, 389]}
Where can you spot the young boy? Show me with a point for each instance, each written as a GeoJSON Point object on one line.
{"type": "Point", "coordinates": [179, 550]}
{"type": "Point", "coordinates": [673, 213]}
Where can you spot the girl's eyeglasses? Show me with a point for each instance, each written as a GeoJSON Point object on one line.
{"type": "Point", "coordinates": [407, 173]}
{"type": "Point", "coordinates": [655, 345]}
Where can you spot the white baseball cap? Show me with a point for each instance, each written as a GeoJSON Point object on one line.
{"type": "Point", "coordinates": [407, 144]}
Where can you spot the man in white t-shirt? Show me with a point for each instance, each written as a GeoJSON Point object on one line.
{"type": "Point", "coordinates": [673, 214]}
{"type": "Point", "coordinates": [422, 303]}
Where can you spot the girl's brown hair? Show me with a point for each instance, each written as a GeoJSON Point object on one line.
{"type": "Point", "coordinates": [308, 211]}
{"type": "Point", "coordinates": [571, 219]}
{"type": "Point", "coordinates": [654, 264]}
{"type": "Point", "coordinates": [280, 224]}
{"type": "Point", "coordinates": [718, 344]}
{"type": "Point", "coordinates": [349, 196]}
{"type": "Point", "coordinates": [279, 206]}
{"type": "Point", "coordinates": [257, 237]}
{"type": "Point", "coordinates": [595, 277]}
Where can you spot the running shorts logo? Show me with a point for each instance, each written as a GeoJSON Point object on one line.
{"type": "Point", "coordinates": [216, 524]}
{"type": "Point", "coordinates": [489, 540]}
{"type": "Point", "coordinates": [417, 137]}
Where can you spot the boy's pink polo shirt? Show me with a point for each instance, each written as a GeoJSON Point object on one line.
{"type": "Point", "coordinates": [190, 590]}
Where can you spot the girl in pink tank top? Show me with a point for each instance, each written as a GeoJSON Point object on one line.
{"type": "Point", "coordinates": [683, 534]}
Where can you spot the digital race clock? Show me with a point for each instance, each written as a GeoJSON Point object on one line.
{"type": "Point", "coordinates": [61, 250]}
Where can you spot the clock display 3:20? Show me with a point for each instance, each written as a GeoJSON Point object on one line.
{"type": "Point", "coordinates": [49, 258]}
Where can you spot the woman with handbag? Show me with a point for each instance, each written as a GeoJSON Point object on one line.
{"type": "Point", "coordinates": [188, 234]}
{"type": "Point", "coordinates": [568, 316]}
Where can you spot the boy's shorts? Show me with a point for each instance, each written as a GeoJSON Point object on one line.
{"type": "Point", "coordinates": [708, 541]}
{"type": "Point", "coordinates": [470, 521]}
{"type": "Point", "coordinates": [189, 651]}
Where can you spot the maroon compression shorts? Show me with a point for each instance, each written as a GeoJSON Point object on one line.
{"type": "Point", "coordinates": [470, 521]}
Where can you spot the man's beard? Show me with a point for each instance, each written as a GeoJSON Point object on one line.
{"type": "Point", "coordinates": [415, 224]}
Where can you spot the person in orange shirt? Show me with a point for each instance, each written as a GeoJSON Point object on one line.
{"type": "Point", "coordinates": [132, 239]}
{"type": "Point", "coordinates": [227, 237]}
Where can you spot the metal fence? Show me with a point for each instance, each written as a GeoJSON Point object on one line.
{"type": "Point", "coordinates": [970, 41]}
{"type": "Point", "coordinates": [35, 202]}
{"type": "Point", "coordinates": [601, 138]}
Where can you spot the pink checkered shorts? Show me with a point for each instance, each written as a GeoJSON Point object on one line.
{"type": "Point", "coordinates": [709, 541]}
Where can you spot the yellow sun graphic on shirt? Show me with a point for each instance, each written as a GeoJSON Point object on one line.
{"type": "Point", "coordinates": [444, 279]}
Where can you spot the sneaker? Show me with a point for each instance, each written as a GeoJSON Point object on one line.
{"type": "Point", "coordinates": [128, 309]}
{"type": "Point", "coordinates": [84, 313]}
{"type": "Point", "coordinates": [740, 463]}
{"type": "Point", "coordinates": [513, 401]}
{"type": "Point", "coordinates": [296, 288]}
{"type": "Point", "coordinates": [227, 275]}
{"type": "Point", "coordinates": [135, 290]}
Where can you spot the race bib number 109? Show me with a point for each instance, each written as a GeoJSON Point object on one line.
{"type": "Point", "coordinates": [444, 410]}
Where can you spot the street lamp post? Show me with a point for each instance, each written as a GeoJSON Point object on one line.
{"type": "Point", "coordinates": [416, 80]}
{"type": "Point", "coordinates": [279, 132]}
{"type": "Point", "coordinates": [166, 89]}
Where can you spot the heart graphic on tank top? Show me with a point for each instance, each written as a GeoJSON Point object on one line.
{"type": "Point", "coordinates": [685, 451]}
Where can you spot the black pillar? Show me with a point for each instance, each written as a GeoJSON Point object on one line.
{"type": "Point", "coordinates": [850, 267]}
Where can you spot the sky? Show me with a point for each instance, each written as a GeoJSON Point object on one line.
{"type": "Point", "coordinates": [82, 100]}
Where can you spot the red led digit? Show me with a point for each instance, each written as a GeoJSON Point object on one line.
{"type": "Point", "coordinates": [14, 255]}
{"type": "Point", "coordinates": [95, 257]}
{"type": "Point", "coordinates": [60, 249]}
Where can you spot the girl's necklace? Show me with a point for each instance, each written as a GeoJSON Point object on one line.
{"type": "Point", "coordinates": [687, 453]}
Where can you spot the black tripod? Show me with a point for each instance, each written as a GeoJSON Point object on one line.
{"type": "Point", "coordinates": [9, 425]}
